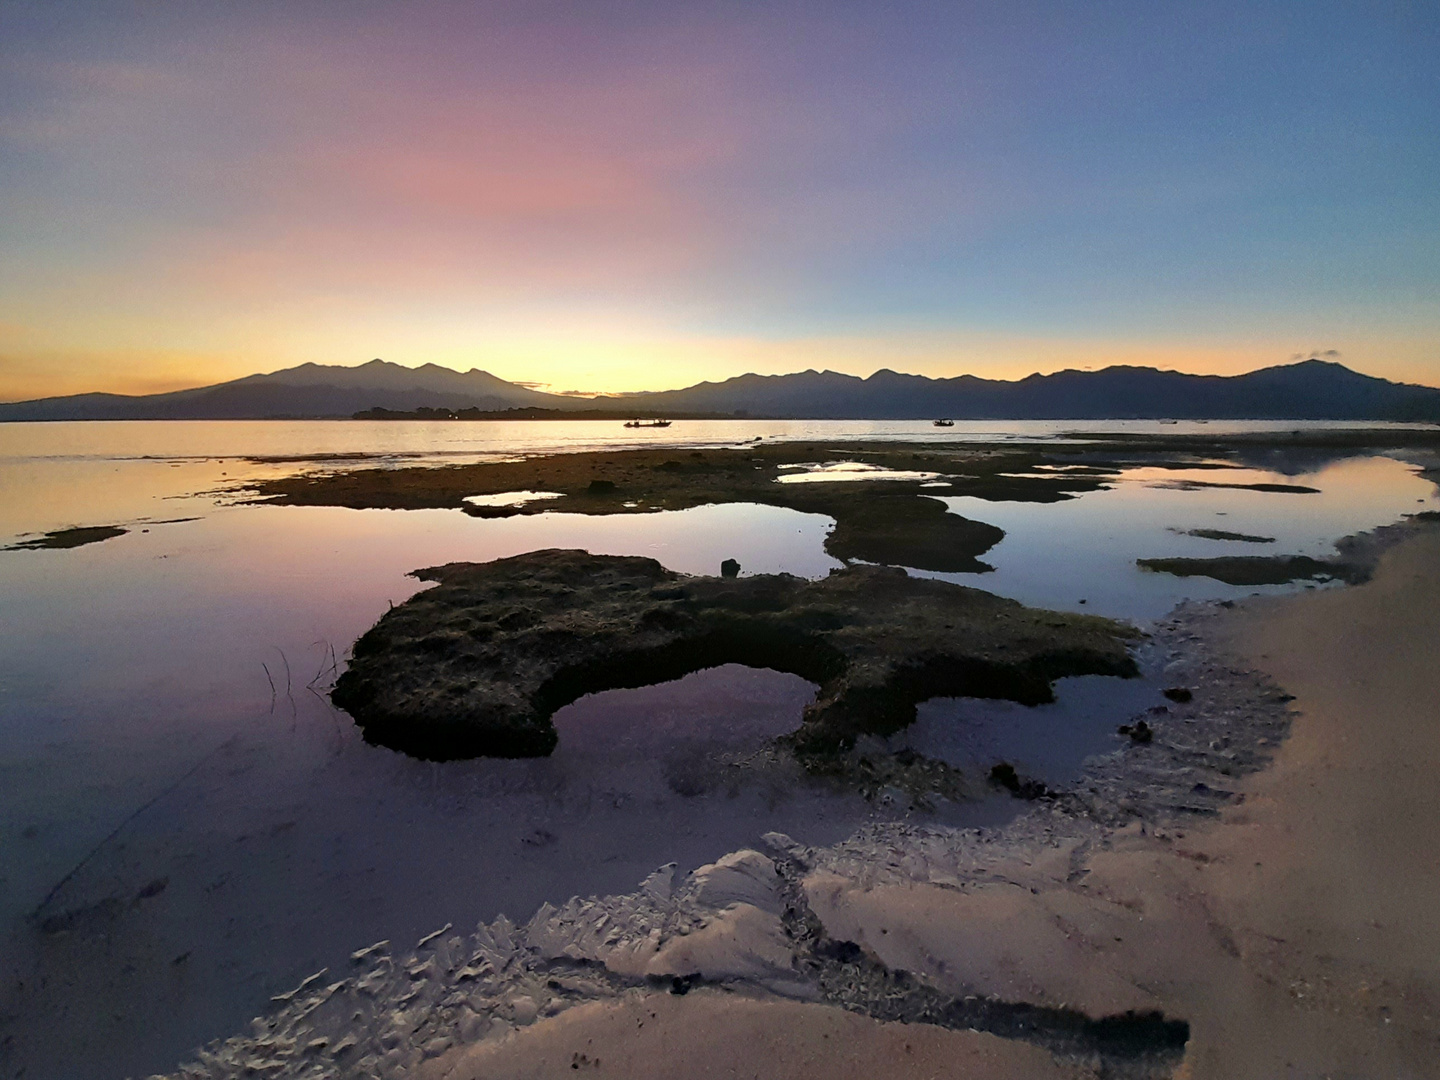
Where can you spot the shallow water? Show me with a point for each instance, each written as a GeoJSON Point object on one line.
{"type": "Point", "coordinates": [1049, 743]}
{"type": "Point", "coordinates": [162, 713]}
{"type": "Point", "coordinates": [1057, 555]}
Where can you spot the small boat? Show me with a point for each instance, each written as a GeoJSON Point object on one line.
{"type": "Point", "coordinates": [647, 423]}
{"type": "Point", "coordinates": [944, 423]}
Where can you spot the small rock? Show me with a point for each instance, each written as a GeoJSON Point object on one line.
{"type": "Point", "coordinates": [1178, 694]}
{"type": "Point", "coordinates": [890, 795]}
{"type": "Point", "coordinates": [1004, 775]}
{"type": "Point", "coordinates": [729, 568]}
{"type": "Point", "coordinates": [1139, 732]}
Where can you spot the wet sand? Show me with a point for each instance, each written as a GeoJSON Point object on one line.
{"type": "Point", "coordinates": [709, 1035]}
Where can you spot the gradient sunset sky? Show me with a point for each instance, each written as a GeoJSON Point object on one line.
{"type": "Point", "coordinates": [617, 196]}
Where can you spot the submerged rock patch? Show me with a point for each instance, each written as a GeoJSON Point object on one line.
{"type": "Point", "coordinates": [1245, 570]}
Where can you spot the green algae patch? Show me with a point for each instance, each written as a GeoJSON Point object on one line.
{"type": "Point", "coordinates": [1255, 569]}
{"type": "Point", "coordinates": [477, 665]}
{"type": "Point", "coordinates": [70, 538]}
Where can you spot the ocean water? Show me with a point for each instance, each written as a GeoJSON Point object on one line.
{"type": "Point", "coordinates": [187, 826]}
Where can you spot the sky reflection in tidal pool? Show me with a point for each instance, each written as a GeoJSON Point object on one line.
{"type": "Point", "coordinates": [1049, 743]}
{"type": "Point", "coordinates": [1057, 554]}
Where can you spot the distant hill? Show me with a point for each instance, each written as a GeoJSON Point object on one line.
{"type": "Point", "coordinates": [310, 390]}
{"type": "Point", "coordinates": [1309, 390]}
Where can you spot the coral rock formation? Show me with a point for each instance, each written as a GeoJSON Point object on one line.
{"type": "Point", "coordinates": [477, 666]}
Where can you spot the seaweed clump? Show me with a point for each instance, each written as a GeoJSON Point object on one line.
{"type": "Point", "coordinates": [478, 665]}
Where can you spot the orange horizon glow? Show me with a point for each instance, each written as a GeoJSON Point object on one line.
{"type": "Point", "coordinates": [632, 366]}
{"type": "Point", "coordinates": [686, 194]}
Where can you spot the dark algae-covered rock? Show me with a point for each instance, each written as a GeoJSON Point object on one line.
{"type": "Point", "coordinates": [477, 665]}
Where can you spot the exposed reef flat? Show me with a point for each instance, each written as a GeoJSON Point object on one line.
{"type": "Point", "coordinates": [478, 665]}
{"type": "Point", "coordinates": [877, 520]}
{"type": "Point", "coordinates": [69, 538]}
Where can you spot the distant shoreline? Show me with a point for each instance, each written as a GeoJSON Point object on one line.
{"type": "Point", "coordinates": [533, 413]}
{"type": "Point", "coordinates": [528, 414]}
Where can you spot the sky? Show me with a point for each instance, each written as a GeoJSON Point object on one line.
{"type": "Point", "coordinates": [611, 196]}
